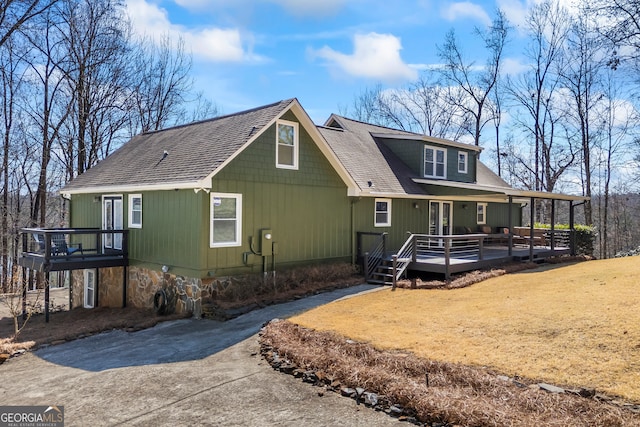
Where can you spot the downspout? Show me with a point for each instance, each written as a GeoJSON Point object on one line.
{"type": "Point", "coordinates": [352, 231]}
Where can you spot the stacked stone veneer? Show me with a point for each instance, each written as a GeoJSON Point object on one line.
{"type": "Point", "coordinates": [184, 294]}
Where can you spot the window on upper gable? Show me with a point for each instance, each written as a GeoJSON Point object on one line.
{"type": "Point", "coordinates": [463, 161]}
{"type": "Point", "coordinates": [226, 220]}
{"type": "Point", "coordinates": [286, 145]}
{"type": "Point", "coordinates": [382, 213]}
{"type": "Point", "coordinates": [435, 162]}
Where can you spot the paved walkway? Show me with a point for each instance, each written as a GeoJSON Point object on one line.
{"type": "Point", "coordinates": [185, 372]}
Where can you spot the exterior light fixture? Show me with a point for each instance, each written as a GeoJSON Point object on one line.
{"type": "Point", "coordinates": [165, 268]}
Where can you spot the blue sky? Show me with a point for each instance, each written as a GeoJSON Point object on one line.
{"type": "Point", "coordinates": [248, 53]}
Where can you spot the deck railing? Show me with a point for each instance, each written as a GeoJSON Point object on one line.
{"type": "Point", "coordinates": [57, 244]}
{"type": "Point", "coordinates": [376, 253]}
{"type": "Point", "coordinates": [424, 246]}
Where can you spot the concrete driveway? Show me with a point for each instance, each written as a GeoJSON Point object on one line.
{"type": "Point", "coordinates": [185, 372]}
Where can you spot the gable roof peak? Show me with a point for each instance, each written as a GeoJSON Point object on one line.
{"type": "Point", "coordinates": [225, 116]}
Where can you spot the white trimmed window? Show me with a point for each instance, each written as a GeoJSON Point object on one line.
{"type": "Point", "coordinates": [481, 213]}
{"type": "Point", "coordinates": [135, 210]}
{"type": "Point", "coordinates": [226, 220]}
{"type": "Point", "coordinates": [463, 160]}
{"type": "Point", "coordinates": [286, 145]}
{"type": "Point", "coordinates": [89, 288]}
{"type": "Point", "coordinates": [435, 162]}
{"type": "Point", "coordinates": [383, 213]}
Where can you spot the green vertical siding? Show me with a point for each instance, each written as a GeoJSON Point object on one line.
{"type": "Point", "coordinates": [307, 209]}
{"type": "Point", "coordinates": [404, 217]}
{"type": "Point", "coordinates": [171, 227]}
{"type": "Point", "coordinates": [412, 153]}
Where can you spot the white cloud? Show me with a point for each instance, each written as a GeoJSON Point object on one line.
{"type": "Point", "coordinates": [213, 44]}
{"type": "Point", "coordinates": [511, 66]}
{"type": "Point", "coordinates": [294, 7]}
{"type": "Point", "coordinates": [461, 10]}
{"type": "Point", "coordinates": [375, 56]}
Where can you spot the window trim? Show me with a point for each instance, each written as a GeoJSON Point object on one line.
{"type": "Point", "coordinates": [296, 144]}
{"type": "Point", "coordinates": [85, 276]}
{"type": "Point", "coordinates": [435, 163]}
{"type": "Point", "coordinates": [484, 213]}
{"type": "Point", "coordinates": [238, 219]}
{"type": "Point", "coordinates": [131, 211]}
{"type": "Point", "coordinates": [466, 162]}
{"type": "Point", "coordinates": [375, 213]}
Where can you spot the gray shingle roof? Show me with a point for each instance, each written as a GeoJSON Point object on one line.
{"type": "Point", "coordinates": [194, 150]}
{"type": "Point", "coordinates": [367, 160]}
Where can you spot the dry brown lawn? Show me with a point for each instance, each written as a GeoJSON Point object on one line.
{"type": "Point", "coordinates": [573, 326]}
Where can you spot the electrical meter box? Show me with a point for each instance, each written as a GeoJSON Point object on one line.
{"type": "Point", "coordinates": [266, 239]}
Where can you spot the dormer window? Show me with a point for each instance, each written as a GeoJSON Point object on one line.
{"type": "Point", "coordinates": [286, 145]}
{"type": "Point", "coordinates": [435, 162]}
{"type": "Point", "coordinates": [463, 161]}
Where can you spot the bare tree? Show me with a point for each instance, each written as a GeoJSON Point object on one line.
{"type": "Point", "coordinates": [49, 105]}
{"type": "Point", "coordinates": [585, 62]}
{"type": "Point", "coordinates": [16, 13]}
{"type": "Point", "coordinates": [96, 35]}
{"type": "Point", "coordinates": [477, 85]}
{"type": "Point", "coordinates": [534, 90]}
{"type": "Point", "coordinates": [162, 72]}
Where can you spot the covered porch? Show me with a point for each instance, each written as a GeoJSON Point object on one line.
{"type": "Point", "coordinates": [454, 253]}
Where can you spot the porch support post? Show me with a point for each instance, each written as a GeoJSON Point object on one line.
{"type": "Point", "coordinates": [447, 259]}
{"type": "Point", "coordinates": [365, 266]}
{"type": "Point", "coordinates": [572, 232]}
{"type": "Point", "coordinates": [46, 297]}
{"type": "Point", "coordinates": [24, 293]}
{"type": "Point", "coordinates": [510, 224]}
{"type": "Point", "coordinates": [124, 286]}
{"type": "Point", "coordinates": [394, 279]}
{"type": "Point", "coordinates": [532, 219]}
{"type": "Point", "coordinates": [553, 224]}
{"type": "Point", "coordinates": [70, 289]}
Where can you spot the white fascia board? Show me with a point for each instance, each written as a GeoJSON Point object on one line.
{"type": "Point", "coordinates": [502, 190]}
{"type": "Point", "coordinates": [323, 145]}
{"type": "Point", "coordinates": [490, 198]}
{"type": "Point", "coordinates": [137, 188]}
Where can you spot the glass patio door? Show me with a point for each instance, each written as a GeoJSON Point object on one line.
{"type": "Point", "coordinates": [440, 219]}
{"type": "Point", "coordinates": [112, 220]}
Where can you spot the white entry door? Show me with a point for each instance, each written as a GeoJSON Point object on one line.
{"type": "Point", "coordinates": [112, 219]}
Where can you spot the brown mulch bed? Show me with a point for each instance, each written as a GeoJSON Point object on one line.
{"type": "Point", "coordinates": [426, 391]}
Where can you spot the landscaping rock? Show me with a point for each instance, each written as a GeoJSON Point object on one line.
{"type": "Point", "coordinates": [550, 388]}
{"type": "Point", "coordinates": [3, 358]}
{"type": "Point", "coordinates": [348, 392]}
{"type": "Point", "coordinates": [370, 399]}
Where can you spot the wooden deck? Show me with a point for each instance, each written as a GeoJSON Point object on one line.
{"type": "Point", "coordinates": [449, 254]}
{"type": "Point", "coordinates": [493, 256]}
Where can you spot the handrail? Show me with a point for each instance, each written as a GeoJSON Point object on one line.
{"type": "Point", "coordinates": [45, 245]}
{"type": "Point", "coordinates": [374, 257]}
{"type": "Point", "coordinates": [447, 246]}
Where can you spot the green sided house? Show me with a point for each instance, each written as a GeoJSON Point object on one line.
{"type": "Point", "coordinates": [173, 211]}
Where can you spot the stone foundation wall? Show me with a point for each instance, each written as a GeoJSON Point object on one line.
{"type": "Point", "coordinates": [77, 289]}
{"type": "Point", "coordinates": [184, 294]}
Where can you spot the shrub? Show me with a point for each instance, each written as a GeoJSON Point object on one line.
{"type": "Point", "coordinates": [585, 236]}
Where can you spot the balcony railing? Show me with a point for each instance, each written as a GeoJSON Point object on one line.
{"type": "Point", "coordinates": [55, 249]}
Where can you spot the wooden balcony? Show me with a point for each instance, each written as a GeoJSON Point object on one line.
{"type": "Point", "coordinates": [60, 249]}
